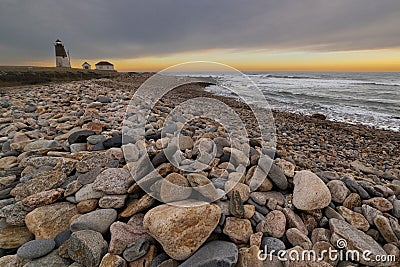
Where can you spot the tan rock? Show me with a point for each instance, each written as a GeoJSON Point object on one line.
{"type": "Point", "coordinates": [182, 230]}
{"type": "Point", "coordinates": [379, 203]}
{"type": "Point", "coordinates": [87, 205]}
{"type": "Point", "coordinates": [354, 218]}
{"type": "Point", "coordinates": [138, 205]}
{"type": "Point", "coordinates": [48, 221]}
{"type": "Point", "coordinates": [238, 230]}
{"type": "Point", "coordinates": [175, 187]}
{"type": "Point", "coordinates": [248, 257]}
{"type": "Point", "coordinates": [14, 236]}
{"type": "Point", "coordinates": [310, 192]}
{"type": "Point", "coordinates": [110, 260]}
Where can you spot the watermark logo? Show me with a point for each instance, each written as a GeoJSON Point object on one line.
{"type": "Point", "coordinates": [342, 253]}
{"type": "Point", "coordinates": [149, 123]}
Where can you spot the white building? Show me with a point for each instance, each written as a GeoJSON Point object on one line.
{"type": "Point", "coordinates": [62, 58]}
{"type": "Point", "coordinates": [104, 65]}
{"type": "Point", "coordinates": [86, 66]}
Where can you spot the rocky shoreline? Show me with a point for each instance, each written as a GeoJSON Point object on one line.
{"type": "Point", "coordinates": [68, 196]}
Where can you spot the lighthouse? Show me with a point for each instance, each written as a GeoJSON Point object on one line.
{"type": "Point", "coordinates": [62, 57]}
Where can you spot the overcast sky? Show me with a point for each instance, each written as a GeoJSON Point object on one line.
{"type": "Point", "coordinates": [131, 29]}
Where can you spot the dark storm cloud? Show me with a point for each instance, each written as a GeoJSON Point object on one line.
{"type": "Point", "coordinates": [127, 29]}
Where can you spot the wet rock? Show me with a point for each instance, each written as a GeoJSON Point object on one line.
{"type": "Point", "coordinates": [182, 230]}
{"type": "Point", "coordinates": [306, 182]}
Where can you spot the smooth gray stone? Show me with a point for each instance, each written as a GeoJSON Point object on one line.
{"type": "Point", "coordinates": [215, 253]}
{"type": "Point", "coordinates": [98, 220]}
{"type": "Point", "coordinates": [35, 248]}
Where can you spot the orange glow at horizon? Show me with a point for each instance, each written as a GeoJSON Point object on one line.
{"type": "Point", "coordinates": [365, 60]}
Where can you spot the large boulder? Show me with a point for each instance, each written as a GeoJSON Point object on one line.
{"type": "Point", "coordinates": [182, 229]}
{"type": "Point", "coordinates": [310, 192]}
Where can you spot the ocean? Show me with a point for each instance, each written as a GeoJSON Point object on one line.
{"type": "Point", "coordinates": [359, 98]}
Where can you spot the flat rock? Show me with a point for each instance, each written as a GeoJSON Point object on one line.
{"type": "Point", "coordinates": [356, 240]}
{"type": "Point", "coordinates": [138, 205]}
{"type": "Point", "coordinates": [113, 181]}
{"type": "Point", "coordinates": [354, 218]}
{"type": "Point", "coordinates": [87, 247]}
{"type": "Point", "coordinates": [379, 203]}
{"type": "Point", "coordinates": [112, 201]}
{"type": "Point", "coordinates": [41, 199]}
{"type": "Point", "coordinates": [383, 225]}
{"type": "Point", "coordinates": [87, 192]}
{"type": "Point", "coordinates": [310, 192]}
{"type": "Point", "coordinates": [98, 220]}
{"type": "Point", "coordinates": [214, 253]}
{"type": "Point", "coordinates": [14, 236]}
{"type": "Point", "coordinates": [48, 221]}
{"type": "Point", "coordinates": [35, 248]}
{"type": "Point", "coordinates": [182, 230]}
{"type": "Point", "coordinates": [41, 182]}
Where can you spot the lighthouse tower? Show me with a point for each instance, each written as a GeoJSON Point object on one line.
{"type": "Point", "coordinates": [62, 58]}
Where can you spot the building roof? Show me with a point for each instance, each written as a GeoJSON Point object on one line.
{"type": "Point", "coordinates": [85, 63]}
{"type": "Point", "coordinates": [104, 63]}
